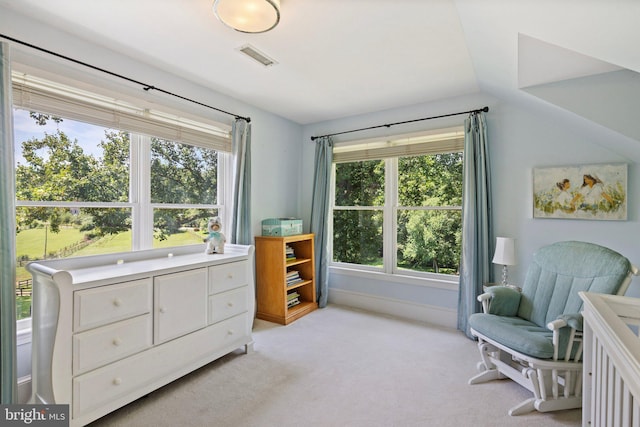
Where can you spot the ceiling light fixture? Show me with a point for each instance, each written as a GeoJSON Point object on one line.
{"type": "Point", "coordinates": [248, 16]}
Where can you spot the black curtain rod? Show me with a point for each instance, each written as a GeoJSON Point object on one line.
{"type": "Point", "coordinates": [484, 109]}
{"type": "Point", "coordinates": [146, 87]}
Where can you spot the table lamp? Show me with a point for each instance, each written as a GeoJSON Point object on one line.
{"type": "Point", "coordinates": [505, 255]}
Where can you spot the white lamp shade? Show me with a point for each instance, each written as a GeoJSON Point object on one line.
{"type": "Point", "coordinates": [505, 251]}
{"type": "Point", "coordinates": [248, 16]}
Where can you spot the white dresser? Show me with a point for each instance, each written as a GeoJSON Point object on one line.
{"type": "Point", "coordinates": [109, 329]}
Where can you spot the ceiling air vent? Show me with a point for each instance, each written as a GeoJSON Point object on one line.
{"type": "Point", "coordinates": [256, 55]}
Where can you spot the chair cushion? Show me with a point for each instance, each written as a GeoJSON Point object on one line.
{"type": "Point", "coordinates": [560, 270]}
{"type": "Point", "coordinates": [519, 334]}
{"type": "Point", "coordinates": [504, 301]}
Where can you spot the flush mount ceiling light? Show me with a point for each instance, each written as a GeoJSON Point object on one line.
{"type": "Point", "coordinates": [248, 16]}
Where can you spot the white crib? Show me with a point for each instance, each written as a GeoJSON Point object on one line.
{"type": "Point", "coordinates": [611, 375]}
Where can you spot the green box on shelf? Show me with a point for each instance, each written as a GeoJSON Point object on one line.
{"type": "Point", "coordinates": [281, 227]}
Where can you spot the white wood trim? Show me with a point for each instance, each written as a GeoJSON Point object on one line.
{"type": "Point", "coordinates": [24, 390]}
{"type": "Point", "coordinates": [404, 309]}
{"type": "Point", "coordinates": [390, 222]}
{"type": "Point", "coordinates": [612, 360]}
{"type": "Point", "coordinates": [429, 280]}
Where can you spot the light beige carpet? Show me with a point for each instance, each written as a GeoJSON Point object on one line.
{"type": "Point", "coordinates": [340, 367]}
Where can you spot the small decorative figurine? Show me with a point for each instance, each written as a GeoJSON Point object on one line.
{"type": "Point", "coordinates": [215, 241]}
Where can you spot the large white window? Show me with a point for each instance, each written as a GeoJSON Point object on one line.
{"type": "Point", "coordinates": [397, 203]}
{"type": "Point", "coordinates": [95, 175]}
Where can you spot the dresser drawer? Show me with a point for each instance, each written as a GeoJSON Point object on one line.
{"type": "Point", "coordinates": [227, 276]}
{"type": "Point", "coordinates": [100, 346]}
{"type": "Point", "coordinates": [227, 304]}
{"type": "Point", "coordinates": [100, 387]}
{"type": "Point", "coordinates": [108, 304]}
{"type": "Point", "coordinates": [129, 378]}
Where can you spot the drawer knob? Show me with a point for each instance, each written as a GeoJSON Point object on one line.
{"type": "Point", "coordinates": [117, 341]}
{"type": "Point", "coordinates": [117, 381]}
{"type": "Point", "coordinates": [230, 332]}
{"type": "Point", "coordinates": [163, 310]}
{"type": "Point", "coordinates": [230, 304]}
{"type": "Point", "coordinates": [230, 276]}
{"type": "Point", "coordinates": [117, 302]}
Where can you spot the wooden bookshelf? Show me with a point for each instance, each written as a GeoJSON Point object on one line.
{"type": "Point", "coordinates": [272, 269]}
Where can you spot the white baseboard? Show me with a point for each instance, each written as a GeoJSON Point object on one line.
{"type": "Point", "coordinates": [24, 390]}
{"type": "Point", "coordinates": [405, 309]}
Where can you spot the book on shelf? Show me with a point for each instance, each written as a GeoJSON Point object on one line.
{"type": "Point", "coordinates": [293, 298]}
{"type": "Point", "coordinates": [293, 302]}
{"type": "Point", "coordinates": [289, 253]}
{"type": "Point", "coordinates": [293, 277]}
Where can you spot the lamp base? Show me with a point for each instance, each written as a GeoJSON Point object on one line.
{"type": "Point", "coordinates": [504, 275]}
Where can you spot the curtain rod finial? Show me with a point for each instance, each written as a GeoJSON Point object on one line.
{"type": "Point", "coordinates": [485, 109]}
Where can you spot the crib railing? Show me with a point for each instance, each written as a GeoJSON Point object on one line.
{"type": "Point", "coordinates": [611, 376]}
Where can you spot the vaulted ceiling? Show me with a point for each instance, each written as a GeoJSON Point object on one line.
{"type": "Point", "coordinates": [338, 58]}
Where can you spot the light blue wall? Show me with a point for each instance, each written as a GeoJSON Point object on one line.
{"type": "Point", "coordinates": [519, 139]}
{"type": "Point", "coordinates": [611, 99]}
{"type": "Point", "coordinates": [275, 168]}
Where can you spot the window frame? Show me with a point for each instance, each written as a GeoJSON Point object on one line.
{"type": "Point", "coordinates": [391, 196]}
{"type": "Point", "coordinates": [186, 130]}
{"type": "Point", "coordinates": [32, 93]}
{"type": "Point", "coordinates": [139, 204]}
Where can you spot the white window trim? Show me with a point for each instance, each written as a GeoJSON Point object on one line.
{"type": "Point", "coordinates": [140, 193]}
{"type": "Point", "coordinates": [430, 280]}
{"type": "Point", "coordinates": [31, 92]}
{"type": "Point", "coordinates": [371, 149]}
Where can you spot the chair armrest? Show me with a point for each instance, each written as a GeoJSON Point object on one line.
{"type": "Point", "coordinates": [500, 300]}
{"type": "Point", "coordinates": [485, 299]}
{"type": "Point", "coordinates": [572, 320]}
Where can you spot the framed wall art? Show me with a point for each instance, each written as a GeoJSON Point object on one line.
{"type": "Point", "coordinates": [596, 192]}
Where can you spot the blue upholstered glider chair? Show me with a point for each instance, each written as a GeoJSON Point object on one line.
{"type": "Point", "coordinates": [534, 336]}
